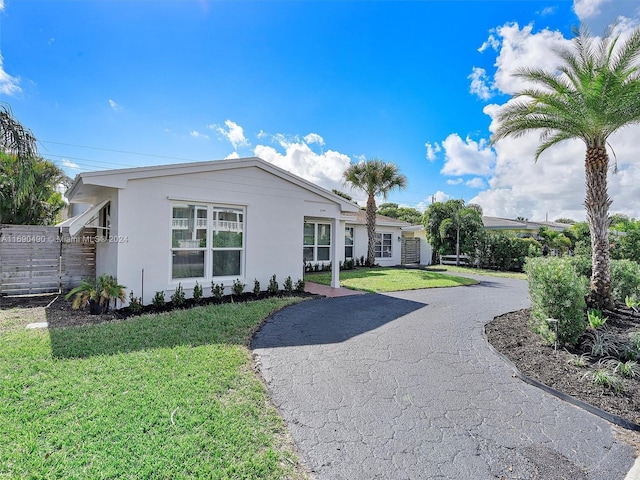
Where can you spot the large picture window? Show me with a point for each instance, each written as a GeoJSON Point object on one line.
{"type": "Point", "coordinates": [317, 242]}
{"type": "Point", "coordinates": [207, 241]}
{"type": "Point", "coordinates": [382, 246]}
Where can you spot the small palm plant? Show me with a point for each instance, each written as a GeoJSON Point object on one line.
{"type": "Point", "coordinates": [109, 289]}
{"type": "Point", "coordinates": [85, 295]}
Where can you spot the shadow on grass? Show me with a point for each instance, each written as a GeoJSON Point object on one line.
{"type": "Point", "coordinates": [231, 324]}
{"type": "Point", "coordinates": [331, 320]}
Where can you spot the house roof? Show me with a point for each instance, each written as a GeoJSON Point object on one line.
{"type": "Point", "coordinates": [497, 223]}
{"type": "Point", "coordinates": [360, 218]}
{"type": "Point", "coordinates": [87, 184]}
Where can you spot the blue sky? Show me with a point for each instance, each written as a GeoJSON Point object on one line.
{"type": "Point", "coordinates": [307, 85]}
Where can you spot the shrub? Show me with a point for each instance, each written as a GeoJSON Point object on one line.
{"type": "Point", "coordinates": [238, 287]}
{"type": "Point", "coordinates": [158, 299]}
{"type": "Point", "coordinates": [256, 287]}
{"type": "Point", "coordinates": [273, 287]}
{"type": "Point", "coordinates": [178, 297]}
{"type": "Point", "coordinates": [601, 343]}
{"type": "Point", "coordinates": [581, 264]}
{"type": "Point", "coordinates": [505, 251]}
{"type": "Point", "coordinates": [556, 292]}
{"type": "Point", "coordinates": [625, 279]}
{"type": "Point", "coordinates": [217, 290]}
{"type": "Point", "coordinates": [197, 292]}
{"type": "Point", "coordinates": [299, 288]}
{"type": "Point", "coordinates": [288, 285]}
{"type": "Point", "coordinates": [135, 303]}
{"type": "Point", "coordinates": [606, 378]}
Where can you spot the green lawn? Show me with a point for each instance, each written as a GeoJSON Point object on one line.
{"type": "Point", "coordinates": [156, 397]}
{"type": "Point", "coordinates": [390, 279]}
{"type": "Point", "coordinates": [481, 271]}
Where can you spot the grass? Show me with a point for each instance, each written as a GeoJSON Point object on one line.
{"type": "Point", "coordinates": [390, 279]}
{"type": "Point", "coordinates": [160, 396]}
{"type": "Point", "coordinates": [481, 271]}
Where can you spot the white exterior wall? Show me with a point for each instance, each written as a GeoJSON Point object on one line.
{"type": "Point", "coordinates": [274, 219]}
{"type": "Point", "coordinates": [360, 244]}
{"type": "Point", "coordinates": [107, 251]}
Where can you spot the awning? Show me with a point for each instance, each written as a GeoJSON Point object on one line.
{"type": "Point", "coordinates": [77, 223]}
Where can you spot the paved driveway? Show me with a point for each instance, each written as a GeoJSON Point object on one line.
{"type": "Point", "coordinates": [404, 386]}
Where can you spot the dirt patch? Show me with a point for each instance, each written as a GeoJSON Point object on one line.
{"type": "Point", "coordinates": [565, 369]}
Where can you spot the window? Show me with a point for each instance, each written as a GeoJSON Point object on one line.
{"type": "Point", "coordinates": [104, 221]}
{"type": "Point", "coordinates": [348, 242]}
{"type": "Point", "coordinates": [206, 241]}
{"type": "Point", "coordinates": [383, 245]}
{"type": "Point", "coordinates": [317, 242]}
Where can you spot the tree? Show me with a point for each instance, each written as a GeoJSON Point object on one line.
{"type": "Point", "coordinates": [443, 240]}
{"type": "Point", "coordinates": [374, 177]}
{"type": "Point", "coordinates": [594, 92]}
{"type": "Point", "coordinates": [42, 202]}
{"type": "Point", "coordinates": [568, 221]}
{"type": "Point", "coordinates": [406, 214]}
{"type": "Point", "coordinates": [19, 142]}
{"type": "Point", "coordinates": [465, 217]}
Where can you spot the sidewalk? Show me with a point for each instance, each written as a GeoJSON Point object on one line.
{"type": "Point", "coordinates": [329, 292]}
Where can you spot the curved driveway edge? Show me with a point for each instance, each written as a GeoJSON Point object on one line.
{"type": "Point", "coordinates": [404, 386]}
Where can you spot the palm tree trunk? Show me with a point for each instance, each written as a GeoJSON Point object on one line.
{"type": "Point", "coordinates": [597, 204]}
{"type": "Point", "coordinates": [371, 230]}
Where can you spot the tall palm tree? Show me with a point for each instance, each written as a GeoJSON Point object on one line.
{"type": "Point", "coordinates": [375, 177]}
{"type": "Point", "coordinates": [594, 92]}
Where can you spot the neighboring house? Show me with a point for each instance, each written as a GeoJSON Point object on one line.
{"type": "Point", "coordinates": [218, 221]}
{"type": "Point", "coordinates": [522, 228]}
{"type": "Point", "coordinates": [388, 247]}
{"type": "Point", "coordinates": [214, 221]}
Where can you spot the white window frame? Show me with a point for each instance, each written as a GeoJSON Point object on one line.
{"type": "Point", "coordinates": [380, 244]}
{"type": "Point", "coordinates": [346, 245]}
{"type": "Point", "coordinates": [315, 245]}
{"type": "Point", "coordinates": [208, 224]}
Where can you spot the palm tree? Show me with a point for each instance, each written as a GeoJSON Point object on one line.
{"type": "Point", "coordinates": [462, 218]}
{"type": "Point", "coordinates": [374, 177]}
{"type": "Point", "coordinates": [18, 141]}
{"type": "Point", "coordinates": [594, 92]}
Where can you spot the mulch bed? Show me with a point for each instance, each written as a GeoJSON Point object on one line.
{"type": "Point", "coordinates": [511, 335]}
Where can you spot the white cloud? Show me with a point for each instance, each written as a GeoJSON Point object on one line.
{"type": "Point", "coordinates": [476, 182]}
{"type": "Point", "coordinates": [232, 155]}
{"type": "Point", "coordinates": [520, 48]}
{"type": "Point", "coordinates": [439, 196]}
{"type": "Point", "coordinates": [490, 42]}
{"type": "Point", "coordinates": [8, 85]}
{"type": "Point", "coordinates": [480, 85]}
{"type": "Point", "coordinates": [454, 181]}
{"type": "Point", "coordinates": [70, 165]}
{"type": "Point", "coordinates": [314, 138]}
{"type": "Point", "coordinates": [1, 5]}
{"type": "Point", "coordinates": [467, 157]}
{"type": "Point", "coordinates": [233, 132]}
{"type": "Point", "coordinates": [114, 105]}
{"type": "Point", "coordinates": [432, 150]}
{"type": "Point", "coordinates": [197, 134]}
{"type": "Point", "coordinates": [548, 11]}
{"type": "Point", "coordinates": [588, 8]}
{"type": "Point", "coordinates": [296, 156]}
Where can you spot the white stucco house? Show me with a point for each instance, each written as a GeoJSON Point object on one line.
{"type": "Point", "coordinates": [217, 221]}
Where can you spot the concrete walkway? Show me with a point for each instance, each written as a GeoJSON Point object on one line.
{"type": "Point", "coordinates": [404, 386]}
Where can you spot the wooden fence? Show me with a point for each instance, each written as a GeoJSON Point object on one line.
{"type": "Point", "coordinates": [410, 251]}
{"type": "Point", "coordinates": [35, 259]}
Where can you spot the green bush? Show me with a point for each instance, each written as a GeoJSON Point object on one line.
{"type": "Point", "coordinates": [581, 264]}
{"type": "Point", "coordinates": [178, 298]}
{"type": "Point", "coordinates": [299, 288]}
{"type": "Point", "coordinates": [158, 299]}
{"type": "Point", "coordinates": [288, 285]}
{"type": "Point", "coordinates": [505, 251]}
{"type": "Point", "coordinates": [238, 287]}
{"type": "Point", "coordinates": [217, 290]}
{"type": "Point", "coordinates": [256, 287]}
{"type": "Point", "coordinates": [557, 292]}
{"type": "Point", "coordinates": [197, 292]}
{"type": "Point", "coordinates": [625, 280]}
{"type": "Point", "coordinates": [273, 287]}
